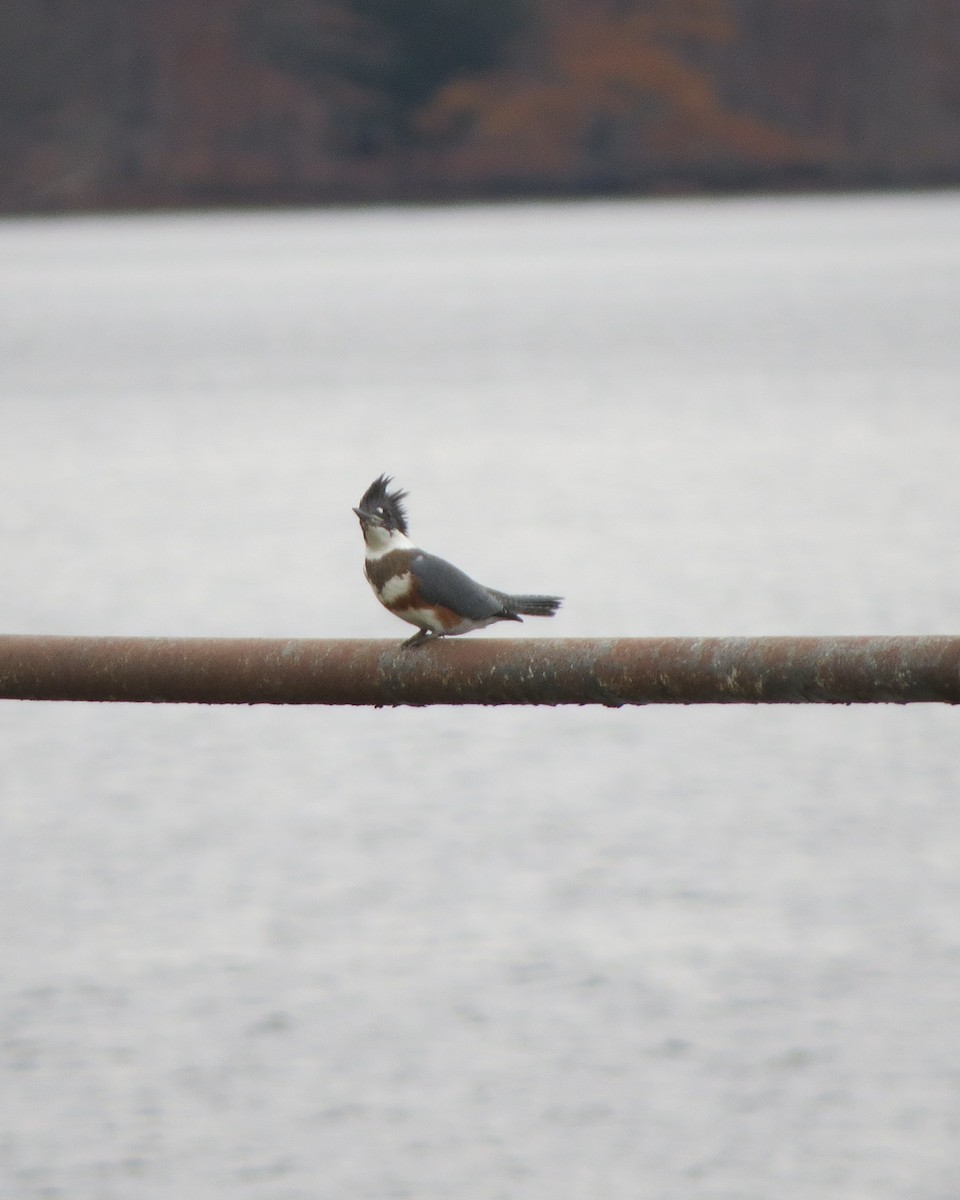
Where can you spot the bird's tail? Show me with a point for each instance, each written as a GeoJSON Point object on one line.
{"type": "Point", "coordinates": [530, 606]}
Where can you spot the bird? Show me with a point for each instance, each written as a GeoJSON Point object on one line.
{"type": "Point", "coordinates": [423, 589]}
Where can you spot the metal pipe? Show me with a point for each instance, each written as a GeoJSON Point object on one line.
{"type": "Point", "coordinates": [608, 671]}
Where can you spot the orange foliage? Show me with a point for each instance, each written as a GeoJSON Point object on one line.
{"type": "Point", "coordinates": [601, 94]}
{"type": "Point", "coordinates": [615, 97]}
{"type": "Point", "coordinates": [229, 121]}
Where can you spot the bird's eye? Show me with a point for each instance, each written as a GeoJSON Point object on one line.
{"type": "Point", "coordinates": [380, 511]}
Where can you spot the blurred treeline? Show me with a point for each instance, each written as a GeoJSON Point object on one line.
{"type": "Point", "coordinates": [107, 103]}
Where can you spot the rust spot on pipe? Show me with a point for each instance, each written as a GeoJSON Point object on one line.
{"type": "Point", "coordinates": [608, 671]}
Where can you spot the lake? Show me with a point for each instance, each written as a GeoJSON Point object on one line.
{"type": "Point", "coordinates": [708, 953]}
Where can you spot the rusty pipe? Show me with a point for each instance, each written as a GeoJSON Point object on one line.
{"type": "Point", "coordinates": [607, 671]}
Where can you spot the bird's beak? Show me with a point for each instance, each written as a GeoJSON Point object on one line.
{"type": "Point", "coordinates": [367, 520]}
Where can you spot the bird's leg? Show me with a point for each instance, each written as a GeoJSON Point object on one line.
{"type": "Point", "coordinates": [421, 636]}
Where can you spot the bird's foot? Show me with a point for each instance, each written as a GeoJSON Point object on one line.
{"type": "Point", "coordinates": [418, 639]}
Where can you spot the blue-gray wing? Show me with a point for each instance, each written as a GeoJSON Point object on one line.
{"type": "Point", "coordinates": [441, 582]}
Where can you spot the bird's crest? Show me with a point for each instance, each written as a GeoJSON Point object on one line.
{"type": "Point", "coordinates": [379, 501]}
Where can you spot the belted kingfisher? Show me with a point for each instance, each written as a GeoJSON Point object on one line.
{"type": "Point", "coordinates": [423, 589]}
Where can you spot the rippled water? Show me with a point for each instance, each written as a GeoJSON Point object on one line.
{"type": "Point", "coordinates": [286, 954]}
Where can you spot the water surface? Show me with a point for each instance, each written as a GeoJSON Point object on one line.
{"type": "Point", "coordinates": [284, 954]}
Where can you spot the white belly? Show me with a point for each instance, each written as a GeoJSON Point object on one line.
{"type": "Point", "coordinates": [425, 618]}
